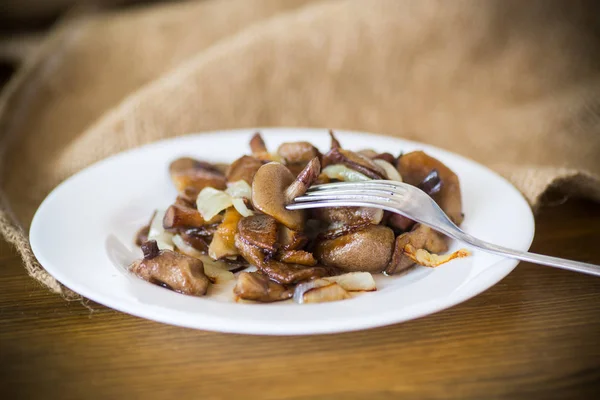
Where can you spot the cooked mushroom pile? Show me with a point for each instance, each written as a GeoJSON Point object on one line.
{"type": "Point", "coordinates": [227, 218]}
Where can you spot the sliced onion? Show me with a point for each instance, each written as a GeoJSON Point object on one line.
{"type": "Point", "coordinates": [241, 207]}
{"type": "Point", "coordinates": [219, 248]}
{"type": "Point", "coordinates": [216, 270]}
{"type": "Point", "coordinates": [354, 281]}
{"type": "Point", "coordinates": [186, 248]}
{"type": "Point", "coordinates": [322, 294]}
{"type": "Point", "coordinates": [391, 172]}
{"type": "Point", "coordinates": [427, 259]}
{"type": "Point", "coordinates": [239, 188]}
{"type": "Point", "coordinates": [239, 191]}
{"type": "Point", "coordinates": [164, 239]}
{"type": "Point", "coordinates": [211, 201]}
{"type": "Point", "coordinates": [306, 286]}
{"type": "Point", "coordinates": [343, 173]}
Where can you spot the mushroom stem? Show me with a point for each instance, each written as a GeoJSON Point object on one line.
{"type": "Point", "coordinates": [335, 144]}
{"type": "Point", "coordinates": [178, 216]}
{"type": "Point", "coordinates": [150, 249]}
{"type": "Point", "coordinates": [303, 181]}
{"type": "Point", "coordinates": [257, 144]}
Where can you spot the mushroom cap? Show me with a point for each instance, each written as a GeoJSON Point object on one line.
{"type": "Point", "coordinates": [259, 230]}
{"type": "Point", "coordinates": [243, 168]}
{"type": "Point", "coordinates": [268, 195]}
{"type": "Point", "coordinates": [349, 215]}
{"type": "Point", "coordinates": [257, 286]}
{"type": "Point", "coordinates": [297, 155]}
{"type": "Point", "coordinates": [191, 176]}
{"type": "Point", "coordinates": [177, 271]}
{"type": "Point", "coordinates": [368, 250]}
{"type": "Point", "coordinates": [416, 166]}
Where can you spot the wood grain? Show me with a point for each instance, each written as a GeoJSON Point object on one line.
{"type": "Point", "coordinates": [534, 335]}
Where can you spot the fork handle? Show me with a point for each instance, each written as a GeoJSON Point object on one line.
{"type": "Point", "coordinates": [556, 262]}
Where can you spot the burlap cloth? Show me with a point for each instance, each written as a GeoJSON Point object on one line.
{"type": "Point", "coordinates": [514, 85]}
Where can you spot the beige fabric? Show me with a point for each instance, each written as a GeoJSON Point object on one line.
{"type": "Point", "coordinates": [510, 84]}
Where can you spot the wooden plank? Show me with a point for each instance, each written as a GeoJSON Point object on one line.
{"type": "Point", "coordinates": [534, 335]}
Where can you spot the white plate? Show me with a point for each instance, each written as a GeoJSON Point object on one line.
{"type": "Point", "coordinates": [83, 235]}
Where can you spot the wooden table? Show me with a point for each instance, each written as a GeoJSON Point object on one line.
{"type": "Point", "coordinates": [534, 335]}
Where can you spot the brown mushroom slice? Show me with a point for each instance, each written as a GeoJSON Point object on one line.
{"type": "Point", "coordinates": [297, 154]}
{"type": "Point", "coordinates": [416, 166]}
{"type": "Point", "coordinates": [198, 242]}
{"type": "Point", "coordinates": [291, 273]}
{"type": "Point", "coordinates": [243, 168]}
{"type": "Point", "coordinates": [178, 217]}
{"type": "Point", "coordinates": [400, 222]}
{"type": "Point", "coordinates": [303, 181]}
{"type": "Point", "coordinates": [221, 167]}
{"type": "Point", "coordinates": [251, 253]}
{"type": "Point", "coordinates": [259, 149]}
{"type": "Point", "coordinates": [369, 250]}
{"type": "Point", "coordinates": [354, 161]}
{"type": "Point", "coordinates": [177, 271]}
{"type": "Point", "coordinates": [291, 240]}
{"type": "Point", "coordinates": [259, 230]}
{"type": "Point", "coordinates": [257, 144]}
{"type": "Point", "coordinates": [184, 202]}
{"type": "Point", "coordinates": [420, 237]}
{"type": "Point", "coordinates": [278, 271]}
{"type": "Point", "coordinates": [336, 230]}
{"type": "Point", "coordinates": [258, 287]}
{"type": "Point", "coordinates": [268, 195]}
{"type": "Point", "coordinates": [205, 231]}
{"type": "Point", "coordinates": [223, 242]}
{"type": "Point", "coordinates": [191, 176]}
{"type": "Point", "coordinates": [300, 257]}
{"type": "Point", "coordinates": [335, 144]}
{"type": "Point", "coordinates": [349, 215]}
{"type": "Point", "coordinates": [142, 235]}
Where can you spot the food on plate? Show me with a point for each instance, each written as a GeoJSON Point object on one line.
{"type": "Point", "coordinates": [179, 272]}
{"type": "Point", "coordinates": [230, 222]}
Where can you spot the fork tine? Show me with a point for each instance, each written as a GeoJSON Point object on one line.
{"type": "Point", "coordinates": [380, 184]}
{"type": "Point", "coordinates": [361, 191]}
{"type": "Point", "coordinates": [340, 203]}
{"type": "Point", "coordinates": [344, 196]}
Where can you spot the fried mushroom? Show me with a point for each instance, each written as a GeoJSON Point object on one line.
{"type": "Point", "coordinates": [274, 187]}
{"type": "Point", "coordinates": [415, 168]}
{"type": "Point", "coordinates": [420, 237]}
{"type": "Point", "coordinates": [259, 230]}
{"type": "Point", "coordinates": [355, 161]}
{"type": "Point", "coordinates": [369, 249]}
{"type": "Point", "coordinates": [276, 270]}
{"type": "Point", "coordinates": [244, 168]}
{"type": "Point", "coordinates": [176, 271]}
{"type": "Point", "coordinates": [258, 287]}
{"type": "Point", "coordinates": [349, 216]}
{"type": "Point", "coordinates": [191, 176]}
{"type": "Point", "coordinates": [178, 217]}
{"type": "Point", "coordinates": [297, 154]}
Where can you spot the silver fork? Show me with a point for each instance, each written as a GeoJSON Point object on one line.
{"type": "Point", "coordinates": [415, 204]}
